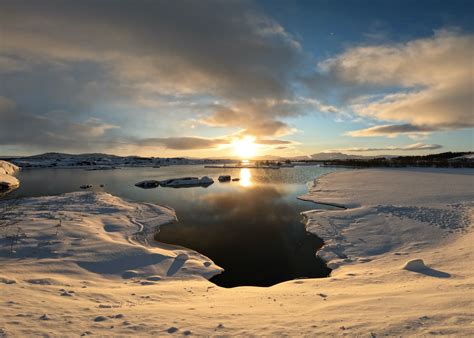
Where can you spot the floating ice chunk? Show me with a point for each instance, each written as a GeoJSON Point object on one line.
{"type": "Point", "coordinates": [7, 181]}
{"type": "Point", "coordinates": [187, 182]}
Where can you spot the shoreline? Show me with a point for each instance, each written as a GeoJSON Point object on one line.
{"type": "Point", "coordinates": [369, 245]}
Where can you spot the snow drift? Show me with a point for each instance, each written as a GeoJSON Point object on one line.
{"type": "Point", "coordinates": [7, 181]}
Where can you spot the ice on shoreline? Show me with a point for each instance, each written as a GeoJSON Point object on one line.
{"type": "Point", "coordinates": [7, 181]}
{"type": "Point", "coordinates": [388, 210]}
{"type": "Point", "coordinates": [99, 273]}
{"type": "Point", "coordinates": [97, 233]}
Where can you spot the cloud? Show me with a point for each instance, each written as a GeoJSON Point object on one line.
{"type": "Point", "coordinates": [153, 58]}
{"type": "Point", "coordinates": [261, 117]}
{"type": "Point", "coordinates": [194, 142]}
{"type": "Point", "coordinates": [56, 131]}
{"type": "Point", "coordinates": [411, 147]}
{"type": "Point", "coordinates": [391, 130]}
{"type": "Point", "coordinates": [182, 143]}
{"type": "Point", "coordinates": [272, 142]}
{"type": "Point", "coordinates": [427, 82]}
{"type": "Point", "coordinates": [53, 130]}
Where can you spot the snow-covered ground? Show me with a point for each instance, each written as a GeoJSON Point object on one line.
{"type": "Point", "coordinates": [96, 274]}
{"type": "Point", "coordinates": [97, 161]}
{"type": "Point", "coordinates": [7, 180]}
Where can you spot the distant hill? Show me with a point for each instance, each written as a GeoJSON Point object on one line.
{"type": "Point", "coordinates": [441, 160]}
{"type": "Point", "coordinates": [54, 156]}
{"type": "Point", "coordinates": [341, 156]}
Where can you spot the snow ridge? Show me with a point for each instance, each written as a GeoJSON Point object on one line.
{"type": "Point", "coordinates": [364, 231]}
{"type": "Point", "coordinates": [7, 181]}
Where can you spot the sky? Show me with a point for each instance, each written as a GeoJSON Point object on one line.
{"type": "Point", "coordinates": [208, 78]}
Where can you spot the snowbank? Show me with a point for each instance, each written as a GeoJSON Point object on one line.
{"type": "Point", "coordinates": [96, 233]}
{"type": "Point", "coordinates": [388, 210]}
{"type": "Point", "coordinates": [8, 168]}
{"type": "Point", "coordinates": [98, 276]}
{"type": "Point", "coordinates": [7, 181]}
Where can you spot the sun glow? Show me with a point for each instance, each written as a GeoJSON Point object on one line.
{"type": "Point", "coordinates": [245, 177]}
{"type": "Point", "coordinates": [245, 148]}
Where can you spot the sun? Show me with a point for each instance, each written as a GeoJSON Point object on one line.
{"type": "Point", "coordinates": [245, 147]}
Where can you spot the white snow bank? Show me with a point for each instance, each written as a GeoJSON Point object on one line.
{"type": "Point", "coordinates": [48, 293]}
{"type": "Point", "coordinates": [7, 181]}
{"type": "Point", "coordinates": [89, 233]}
{"type": "Point", "coordinates": [416, 264]}
{"type": "Point", "coordinates": [389, 210]}
{"type": "Point", "coordinates": [404, 186]}
{"type": "Point", "coordinates": [8, 168]}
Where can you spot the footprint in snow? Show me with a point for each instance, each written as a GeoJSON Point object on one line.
{"type": "Point", "coordinates": [67, 293]}
{"type": "Point", "coordinates": [172, 329]}
{"type": "Point", "coordinates": [145, 282]}
{"type": "Point", "coordinates": [154, 278]}
{"type": "Point", "coordinates": [100, 319]}
{"type": "Point", "coordinates": [7, 280]}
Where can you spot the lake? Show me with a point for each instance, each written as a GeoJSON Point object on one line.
{"type": "Point", "coordinates": [252, 228]}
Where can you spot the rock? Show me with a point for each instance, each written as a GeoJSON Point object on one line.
{"type": "Point", "coordinates": [44, 317]}
{"type": "Point", "coordinates": [415, 265]}
{"type": "Point", "coordinates": [148, 184]}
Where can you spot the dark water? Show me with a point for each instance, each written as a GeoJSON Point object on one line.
{"type": "Point", "coordinates": [251, 228]}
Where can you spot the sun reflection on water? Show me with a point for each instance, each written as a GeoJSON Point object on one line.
{"type": "Point", "coordinates": [245, 177]}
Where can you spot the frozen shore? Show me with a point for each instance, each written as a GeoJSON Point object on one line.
{"type": "Point", "coordinates": [7, 180]}
{"type": "Point", "coordinates": [388, 210]}
{"type": "Point", "coordinates": [97, 274]}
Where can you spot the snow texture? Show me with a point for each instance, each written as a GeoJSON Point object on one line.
{"type": "Point", "coordinates": [99, 274]}
{"type": "Point", "coordinates": [7, 180]}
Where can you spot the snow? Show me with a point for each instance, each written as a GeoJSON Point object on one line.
{"type": "Point", "coordinates": [8, 168]}
{"type": "Point", "coordinates": [420, 206]}
{"type": "Point", "coordinates": [415, 265]}
{"type": "Point", "coordinates": [94, 232]}
{"type": "Point", "coordinates": [7, 181]}
{"type": "Point", "coordinates": [101, 275]}
{"type": "Point", "coordinates": [187, 182]}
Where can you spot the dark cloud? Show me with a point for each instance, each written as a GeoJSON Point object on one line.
{"type": "Point", "coordinates": [182, 143]}
{"type": "Point", "coordinates": [85, 55]}
{"type": "Point", "coordinates": [54, 131]}
{"type": "Point", "coordinates": [392, 129]}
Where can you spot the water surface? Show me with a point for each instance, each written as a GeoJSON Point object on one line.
{"type": "Point", "coordinates": [251, 228]}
